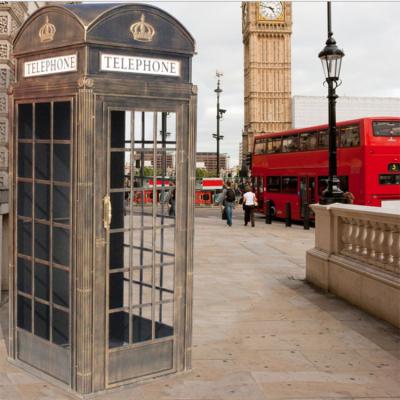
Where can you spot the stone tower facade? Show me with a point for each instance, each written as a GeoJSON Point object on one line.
{"type": "Point", "coordinates": [267, 29]}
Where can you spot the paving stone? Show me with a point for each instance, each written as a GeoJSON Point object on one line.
{"type": "Point", "coordinates": [260, 331]}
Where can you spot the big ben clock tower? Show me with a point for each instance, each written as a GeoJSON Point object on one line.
{"type": "Point", "coordinates": [267, 29]}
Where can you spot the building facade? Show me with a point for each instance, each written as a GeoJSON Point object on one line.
{"type": "Point", "coordinates": [266, 29]}
{"type": "Point", "coordinates": [313, 110]}
{"type": "Point", "coordinates": [209, 161]}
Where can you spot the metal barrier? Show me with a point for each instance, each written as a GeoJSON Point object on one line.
{"type": "Point", "coordinates": [288, 214]}
{"type": "Point", "coordinates": [268, 212]}
{"type": "Point", "coordinates": [306, 216]}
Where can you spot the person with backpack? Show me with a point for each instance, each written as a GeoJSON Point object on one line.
{"type": "Point", "coordinates": [229, 199]}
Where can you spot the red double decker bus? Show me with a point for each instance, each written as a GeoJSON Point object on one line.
{"type": "Point", "coordinates": [293, 166]}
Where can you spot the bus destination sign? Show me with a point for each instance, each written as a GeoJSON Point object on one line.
{"type": "Point", "coordinates": [139, 65]}
{"type": "Point", "coordinates": [52, 65]}
{"type": "Point", "coordinates": [394, 167]}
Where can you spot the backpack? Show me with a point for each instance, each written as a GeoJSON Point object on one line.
{"type": "Point", "coordinates": [230, 195]}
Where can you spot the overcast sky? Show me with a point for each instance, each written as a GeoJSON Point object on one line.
{"type": "Point", "coordinates": [368, 32]}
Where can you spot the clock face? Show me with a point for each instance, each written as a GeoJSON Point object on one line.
{"type": "Point", "coordinates": [271, 9]}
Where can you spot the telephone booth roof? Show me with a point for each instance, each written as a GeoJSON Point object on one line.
{"type": "Point", "coordinates": [107, 24]}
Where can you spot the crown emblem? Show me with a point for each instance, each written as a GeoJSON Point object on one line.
{"type": "Point", "coordinates": [47, 31]}
{"type": "Point", "coordinates": [142, 31]}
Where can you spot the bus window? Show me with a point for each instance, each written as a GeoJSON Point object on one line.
{"type": "Point", "coordinates": [274, 184]}
{"type": "Point", "coordinates": [323, 139]}
{"type": "Point", "coordinates": [389, 179]}
{"type": "Point", "coordinates": [386, 128]}
{"type": "Point", "coordinates": [289, 184]}
{"type": "Point", "coordinates": [350, 136]}
{"type": "Point", "coordinates": [290, 143]}
{"type": "Point", "coordinates": [322, 184]}
{"type": "Point", "coordinates": [274, 145]}
{"type": "Point", "coordinates": [260, 146]}
{"type": "Point", "coordinates": [308, 141]}
{"type": "Point", "coordinates": [344, 183]}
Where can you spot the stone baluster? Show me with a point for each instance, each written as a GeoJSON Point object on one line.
{"type": "Point", "coordinates": [346, 234]}
{"type": "Point", "coordinates": [358, 237]}
{"type": "Point", "coordinates": [353, 237]}
{"type": "Point", "coordinates": [369, 240]}
{"type": "Point", "coordinates": [395, 248]}
{"type": "Point", "coordinates": [378, 242]}
{"type": "Point", "coordinates": [386, 242]}
{"type": "Point", "coordinates": [362, 239]}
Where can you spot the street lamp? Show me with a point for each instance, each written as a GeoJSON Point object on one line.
{"type": "Point", "coordinates": [331, 59]}
{"type": "Point", "coordinates": [220, 114]}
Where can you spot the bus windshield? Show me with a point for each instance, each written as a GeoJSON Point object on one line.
{"type": "Point", "coordinates": [386, 128]}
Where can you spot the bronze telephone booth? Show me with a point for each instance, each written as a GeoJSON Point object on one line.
{"type": "Point", "coordinates": [103, 155]}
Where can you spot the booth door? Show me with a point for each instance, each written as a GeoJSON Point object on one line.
{"type": "Point", "coordinates": [43, 235]}
{"type": "Point", "coordinates": [140, 222]}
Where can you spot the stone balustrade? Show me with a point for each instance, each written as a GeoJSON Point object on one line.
{"type": "Point", "coordinates": [357, 256]}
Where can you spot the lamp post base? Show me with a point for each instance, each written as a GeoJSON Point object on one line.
{"type": "Point", "coordinates": [334, 196]}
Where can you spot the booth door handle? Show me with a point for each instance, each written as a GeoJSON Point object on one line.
{"type": "Point", "coordinates": [107, 211]}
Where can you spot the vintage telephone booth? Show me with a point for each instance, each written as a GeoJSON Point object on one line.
{"type": "Point", "coordinates": [101, 273]}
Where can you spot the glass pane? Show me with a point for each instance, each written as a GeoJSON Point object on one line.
{"type": "Point", "coordinates": [164, 325]}
{"type": "Point", "coordinates": [118, 290]}
{"type": "Point", "coordinates": [42, 281]}
{"type": "Point", "coordinates": [42, 201]}
{"type": "Point", "coordinates": [24, 274]}
{"type": "Point", "coordinates": [119, 252]}
{"type": "Point", "coordinates": [25, 199]}
{"type": "Point", "coordinates": [42, 319]}
{"type": "Point", "coordinates": [118, 329]}
{"type": "Point", "coordinates": [117, 170]}
{"type": "Point", "coordinates": [25, 121]}
{"type": "Point", "coordinates": [25, 160]}
{"type": "Point", "coordinates": [24, 237]}
{"type": "Point", "coordinates": [62, 120]}
{"type": "Point", "coordinates": [141, 324]}
{"type": "Point", "coordinates": [61, 204]}
{"type": "Point", "coordinates": [141, 286]}
{"type": "Point", "coordinates": [61, 162]}
{"type": "Point", "coordinates": [42, 161]}
{"type": "Point", "coordinates": [60, 287]}
{"type": "Point", "coordinates": [118, 129]}
{"type": "Point", "coordinates": [166, 124]}
{"type": "Point", "coordinates": [61, 246]}
{"type": "Point", "coordinates": [118, 206]}
{"type": "Point", "coordinates": [165, 277]}
{"type": "Point", "coordinates": [289, 184]}
{"type": "Point", "coordinates": [60, 327]}
{"type": "Point", "coordinates": [42, 120]}
{"type": "Point", "coordinates": [42, 241]}
{"type": "Point", "coordinates": [323, 139]}
{"type": "Point", "coordinates": [24, 313]}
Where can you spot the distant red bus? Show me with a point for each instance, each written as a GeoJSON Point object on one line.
{"type": "Point", "coordinates": [293, 166]}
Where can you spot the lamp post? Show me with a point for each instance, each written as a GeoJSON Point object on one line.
{"type": "Point", "coordinates": [331, 59]}
{"type": "Point", "coordinates": [220, 113]}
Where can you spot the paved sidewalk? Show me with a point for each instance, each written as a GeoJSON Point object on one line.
{"type": "Point", "coordinates": [260, 332]}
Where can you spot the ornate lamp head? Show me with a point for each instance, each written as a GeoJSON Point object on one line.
{"type": "Point", "coordinates": [142, 31]}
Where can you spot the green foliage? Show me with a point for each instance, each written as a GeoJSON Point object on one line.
{"type": "Point", "coordinates": [203, 173]}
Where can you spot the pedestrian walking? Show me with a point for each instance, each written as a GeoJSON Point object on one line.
{"type": "Point", "coordinates": [249, 203]}
{"type": "Point", "coordinates": [171, 200]}
{"type": "Point", "coordinates": [228, 199]}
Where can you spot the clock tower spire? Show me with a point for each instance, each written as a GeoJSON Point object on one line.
{"type": "Point", "coordinates": [266, 29]}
